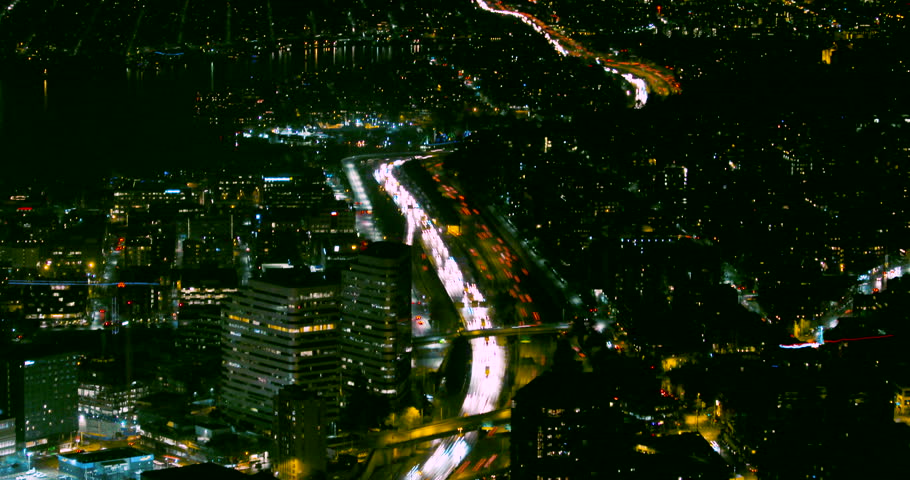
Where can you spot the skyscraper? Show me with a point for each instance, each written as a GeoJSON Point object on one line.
{"type": "Point", "coordinates": [376, 320]}
{"type": "Point", "coordinates": [278, 332]}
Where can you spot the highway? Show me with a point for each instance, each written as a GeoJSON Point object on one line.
{"type": "Point", "coordinates": [500, 267]}
{"type": "Point", "coordinates": [483, 278]}
{"type": "Point", "coordinates": [489, 359]}
{"type": "Point", "coordinates": [643, 77]}
{"type": "Point", "coordinates": [365, 225]}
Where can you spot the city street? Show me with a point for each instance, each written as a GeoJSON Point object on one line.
{"type": "Point", "coordinates": [705, 425]}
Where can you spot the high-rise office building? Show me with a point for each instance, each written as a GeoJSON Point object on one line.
{"type": "Point", "coordinates": [376, 320]}
{"type": "Point", "coordinates": [107, 397]}
{"type": "Point", "coordinates": [40, 391]}
{"type": "Point", "coordinates": [277, 332]}
{"type": "Point", "coordinates": [299, 433]}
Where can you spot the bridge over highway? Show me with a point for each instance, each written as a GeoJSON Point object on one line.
{"type": "Point", "coordinates": [492, 332]}
{"type": "Point", "coordinates": [441, 429]}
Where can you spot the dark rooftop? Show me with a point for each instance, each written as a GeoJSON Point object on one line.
{"type": "Point", "coordinates": [563, 389]}
{"type": "Point", "coordinates": [209, 277]}
{"type": "Point", "coordinates": [105, 455]}
{"type": "Point", "coordinates": [207, 471]}
{"type": "Point", "coordinates": [390, 250]}
{"type": "Point", "coordinates": [297, 278]}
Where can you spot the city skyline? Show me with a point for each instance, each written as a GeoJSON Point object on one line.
{"type": "Point", "coordinates": [387, 239]}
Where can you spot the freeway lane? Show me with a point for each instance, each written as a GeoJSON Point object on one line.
{"type": "Point", "coordinates": [644, 77]}
{"type": "Point", "coordinates": [499, 270]}
{"type": "Point", "coordinates": [488, 366]}
{"type": "Point", "coordinates": [365, 225]}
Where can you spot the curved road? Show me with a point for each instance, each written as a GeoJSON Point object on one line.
{"type": "Point", "coordinates": [644, 77]}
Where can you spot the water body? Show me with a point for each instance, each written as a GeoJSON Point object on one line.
{"type": "Point", "coordinates": [77, 120]}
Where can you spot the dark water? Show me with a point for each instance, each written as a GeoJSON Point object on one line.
{"type": "Point", "coordinates": [83, 121]}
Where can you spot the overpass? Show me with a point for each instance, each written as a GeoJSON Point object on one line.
{"type": "Point", "coordinates": [492, 332]}
{"type": "Point", "coordinates": [440, 429]}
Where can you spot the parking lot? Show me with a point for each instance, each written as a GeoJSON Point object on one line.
{"type": "Point", "coordinates": [43, 468]}
{"type": "Point", "coordinates": [38, 475]}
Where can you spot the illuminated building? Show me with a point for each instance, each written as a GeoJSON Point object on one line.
{"type": "Point", "coordinates": [207, 252]}
{"type": "Point", "coordinates": [202, 291]}
{"type": "Point", "coordinates": [20, 253]}
{"type": "Point", "coordinates": [277, 333]}
{"type": "Point", "coordinates": [306, 190]}
{"type": "Point", "coordinates": [7, 436]}
{"type": "Point", "coordinates": [107, 397]}
{"type": "Point", "coordinates": [558, 428]}
{"type": "Point", "coordinates": [138, 252]}
{"type": "Point", "coordinates": [332, 217]}
{"type": "Point", "coordinates": [40, 391]}
{"type": "Point", "coordinates": [53, 304]}
{"type": "Point", "coordinates": [113, 463]}
{"type": "Point", "coordinates": [142, 298]}
{"type": "Point", "coordinates": [211, 236]}
{"type": "Point", "coordinates": [299, 433]}
{"type": "Point", "coordinates": [234, 189]}
{"type": "Point", "coordinates": [376, 320]}
{"type": "Point", "coordinates": [129, 200]}
{"type": "Point", "coordinates": [902, 400]}
{"type": "Point", "coordinates": [30, 224]}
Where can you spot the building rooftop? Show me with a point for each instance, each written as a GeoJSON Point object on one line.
{"type": "Point", "coordinates": [563, 389]}
{"type": "Point", "coordinates": [105, 455]}
{"type": "Point", "coordinates": [208, 277]}
{"type": "Point", "coordinates": [199, 471]}
{"type": "Point", "coordinates": [389, 250]}
{"type": "Point", "coordinates": [296, 278]}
